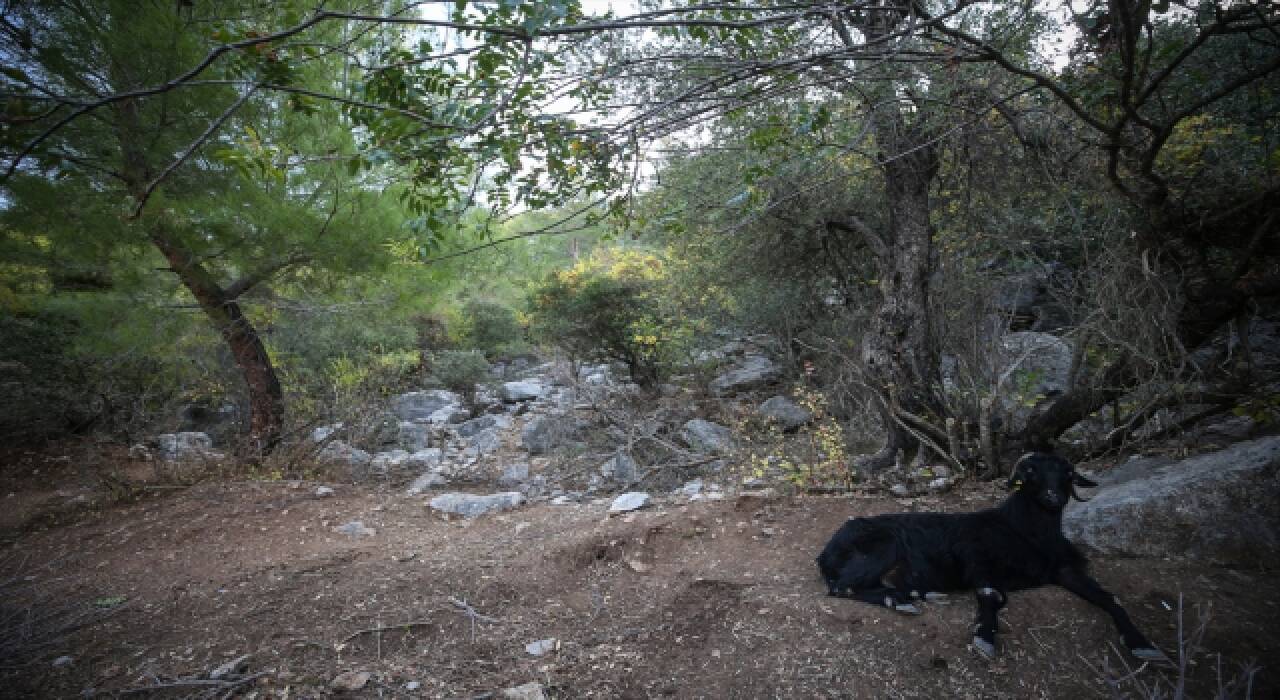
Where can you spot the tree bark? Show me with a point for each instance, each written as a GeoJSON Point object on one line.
{"type": "Point", "coordinates": [899, 355]}
{"type": "Point", "coordinates": [266, 397]}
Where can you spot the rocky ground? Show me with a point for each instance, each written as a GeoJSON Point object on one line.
{"type": "Point", "coordinates": [253, 587]}
{"type": "Point", "coordinates": [547, 543]}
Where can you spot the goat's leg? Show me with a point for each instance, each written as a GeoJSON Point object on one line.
{"type": "Point", "coordinates": [892, 598]}
{"type": "Point", "coordinates": [990, 601]}
{"type": "Point", "coordinates": [1086, 587]}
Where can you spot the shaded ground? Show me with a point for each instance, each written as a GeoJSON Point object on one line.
{"type": "Point", "coordinates": [714, 600]}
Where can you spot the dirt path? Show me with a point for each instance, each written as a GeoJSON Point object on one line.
{"type": "Point", "coordinates": [713, 599]}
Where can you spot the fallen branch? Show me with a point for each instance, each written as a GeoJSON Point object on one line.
{"type": "Point", "coordinates": [379, 630]}
{"type": "Point", "coordinates": [471, 612]}
{"type": "Point", "coordinates": [222, 685]}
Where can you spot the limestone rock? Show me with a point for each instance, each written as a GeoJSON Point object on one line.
{"type": "Point", "coordinates": [471, 505]}
{"type": "Point", "coordinates": [629, 501]}
{"type": "Point", "coordinates": [1214, 507]}
{"type": "Point", "coordinates": [524, 390]}
{"type": "Point", "coordinates": [620, 468]}
{"type": "Point", "coordinates": [753, 371]}
{"type": "Point", "coordinates": [434, 406]}
{"type": "Point", "coordinates": [785, 412]}
{"type": "Point", "coordinates": [707, 437]}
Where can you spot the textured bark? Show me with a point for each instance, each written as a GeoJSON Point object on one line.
{"type": "Point", "coordinates": [266, 398]}
{"type": "Point", "coordinates": [899, 354]}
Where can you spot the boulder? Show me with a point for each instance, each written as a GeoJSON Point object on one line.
{"type": "Point", "coordinates": [1037, 365]}
{"type": "Point", "coordinates": [707, 437]}
{"type": "Point", "coordinates": [184, 446]}
{"type": "Point", "coordinates": [485, 422]}
{"type": "Point", "coordinates": [414, 436]}
{"type": "Point", "coordinates": [427, 480]}
{"type": "Point", "coordinates": [486, 441]}
{"type": "Point", "coordinates": [1213, 507]}
{"type": "Point", "coordinates": [355, 528]}
{"type": "Point", "coordinates": [524, 390]}
{"type": "Point", "coordinates": [544, 433]}
{"type": "Point", "coordinates": [513, 475]}
{"type": "Point", "coordinates": [753, 371]}
{"type": "Point", "coordinates": [387, 463]}
{"type": "Point", "coordinates": [470, 505]}
{"type": "Point", "coordinates": [339, 452]}
{"type": "Point", "coordinates": [434, 406]}
{"type": "Point", "coordinates": [425, 459]}
{"type": "Point", "coordinates": [785, 412]}
{"type": "Point", "coordinates": [1030, 299]}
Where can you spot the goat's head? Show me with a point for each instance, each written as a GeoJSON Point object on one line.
{"type": "Point", "coordinates": [1048, 479]}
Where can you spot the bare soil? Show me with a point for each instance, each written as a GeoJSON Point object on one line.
{"type": "Point", "coordinates": [705, 600]}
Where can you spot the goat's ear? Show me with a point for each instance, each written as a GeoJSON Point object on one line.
{"type": "Point", "coordinates": [1080, 480]}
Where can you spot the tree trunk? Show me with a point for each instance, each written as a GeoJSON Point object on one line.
{"type": "Point", "coordinates": [899, 355]}
{"type": "Point", "coordinates": [266, 398]}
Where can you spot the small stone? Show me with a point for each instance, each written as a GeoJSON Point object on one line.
{"type": "Point", "coordinates": [940, 485]}
{"type": "Point", "coordinates": [63, 661]}
{"type": "Point", "coordinates": [350, 680]}
{"type": "Point", "coordinates": [900, 490]}
{"type": "Point", "coordinates": [323, 492]}
{"type": "Point", "coordinates": [692, 488]}
{"type": "Point", "coordinates": [542, 647]}
{"type": "Point", "coordinates": [412, 685]}
{"type": "Point", "coordinates": [528, 691]}
{"type": "Point", "coordinates": [230, 667]}
{"type": "Point", "coordinates": [629, 501]}
{"type": "Point", "coordinates": [355, 528]}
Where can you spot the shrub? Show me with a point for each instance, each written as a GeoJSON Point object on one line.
{"type": "Point", "coordinates": [491, 328]}
{"type": "Point", "coordinates": [613, 306]}
{"type": "Point", "coordinates": [460, 371]}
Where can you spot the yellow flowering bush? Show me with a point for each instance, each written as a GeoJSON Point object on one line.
{"type": "Point", "coordinates": [614, 305]}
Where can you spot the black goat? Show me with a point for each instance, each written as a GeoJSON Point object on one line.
{"type": "Point", "coordinates": [891, 559]}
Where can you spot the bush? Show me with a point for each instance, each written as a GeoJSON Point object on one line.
{"type": "Point", "coordinates": [491, 328]}
{"type": "Point", "coordinates": [613, 306]}
{"type": "Point", "coordinates": [460, 371]}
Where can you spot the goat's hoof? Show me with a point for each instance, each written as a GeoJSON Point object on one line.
{"type": "Point", "coordinates": [985, 648]}
{"type": "Point", "coordinates": [907, 609]}
{"type": "Point", "coordinates": [934, 597]}
{"type": "Point", "coordinates": [1149, 654]}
